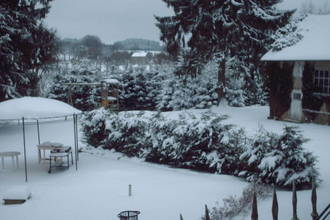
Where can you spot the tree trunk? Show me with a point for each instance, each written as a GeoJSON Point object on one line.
{"type": "Point", "coordinates": [221, 79]}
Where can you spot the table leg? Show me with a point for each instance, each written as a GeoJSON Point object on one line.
{"type": "Point", "coordinates": [50, 165]}
{"type": "Point", "coordinates": [13, 160]}
{"type": "Point", "coordinates": [39, 155]}
{"type": "Point", "coordinates": [17, 161]}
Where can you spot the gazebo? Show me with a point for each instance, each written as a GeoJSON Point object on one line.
{"type": "Point", "coordinates": [33, 110]}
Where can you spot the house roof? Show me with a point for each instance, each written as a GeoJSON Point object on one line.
{"type": "Point", "coordinates": [140, 54]}
{"type": "Point", "coordinates": [314, 46]}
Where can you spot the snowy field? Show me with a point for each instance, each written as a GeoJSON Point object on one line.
{"type": "Point", "coordinates": [99, 189]}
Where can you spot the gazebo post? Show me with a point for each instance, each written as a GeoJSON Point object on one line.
{"type": "Point", "coordinates": [75, 140]}
{"type": "Point", "coordinates": [25, 166]}
{"type": "Point", "coordinates": [38, 131]}
{"type": "Point", "coordinates": [77, 137]}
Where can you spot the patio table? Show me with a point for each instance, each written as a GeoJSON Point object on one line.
{"type": "Point", "coordinates": [47, 146]}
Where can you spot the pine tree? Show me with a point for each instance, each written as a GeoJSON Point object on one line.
{"type": "Point", "coordinates": [221, 29]}
{"type": "Point", "coordinates": [25, 45]}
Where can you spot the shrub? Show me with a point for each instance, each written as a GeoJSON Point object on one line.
{"type": "Point", "coordinates": [84, 97]}
{"type": "Point", "coordinates": [203, 142]}
{"type": "Point", "coordinates": [280, 159]}
{"type": "Point", "coordinates": [128, 133]}
{"type": "Point", "coordinates": [94, 127]}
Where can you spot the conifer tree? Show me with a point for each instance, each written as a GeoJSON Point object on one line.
{"type": "Point", "coordinates": [25, 45]}
{"type": "Point", "coordinates": [221, 29]}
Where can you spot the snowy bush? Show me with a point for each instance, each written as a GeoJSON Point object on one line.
{"type": "Point", "coordinates": [94, 127]}
{"type": "Point", "coordinates": [183, 93]}
{"type": "Point", "coordinates": [203, 142]}
{"type": "Point", "coordinates": [159, 89]}
{"type": "Point", "coordinates": [190, 141]}
{"type": "Point", "coordinates": [140, 89]}
{"type": "Point", "coordinates": [279, 159]}
{"type": "Point", "coordinates": [84, 97]}
{"type": "Point", "coordinates": [128, 133]}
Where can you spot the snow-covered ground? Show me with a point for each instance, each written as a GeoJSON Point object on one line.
{"type": "Point", "coordinates": [99, 189]}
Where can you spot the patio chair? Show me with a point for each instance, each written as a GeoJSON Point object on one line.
{"type": "Point", "coordinates": [57, 157]}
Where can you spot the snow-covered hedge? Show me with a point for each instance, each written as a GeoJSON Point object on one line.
{"type": "Point", "coordinates": [94, 127]}
{"type": "Point", "coordinates": [279, 159]}
{"type": "Point", "coordinates": [204, 142]}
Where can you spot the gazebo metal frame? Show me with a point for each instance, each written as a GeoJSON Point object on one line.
{"type": "Point", "coordinates": [75, 136]}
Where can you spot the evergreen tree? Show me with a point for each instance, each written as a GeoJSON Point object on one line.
{"type": "Point", "coordinates": [25, 45]}
{"type": "Point", "coordinates": [221, 29]}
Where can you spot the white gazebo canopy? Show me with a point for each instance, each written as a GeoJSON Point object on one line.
{"type": "Point", "coordinates": [34, 108]}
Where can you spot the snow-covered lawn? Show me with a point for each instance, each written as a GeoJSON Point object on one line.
{"type": "Point", "coordinates": [99, 189]}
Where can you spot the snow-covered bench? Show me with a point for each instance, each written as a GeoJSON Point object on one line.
{"type": "Point", "coordinates": [12, 154]}
{"type": "Point", "coordinates": [16, 195]}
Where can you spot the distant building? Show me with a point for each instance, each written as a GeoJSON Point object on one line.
{"type": "Point", "coordinates": [300, 75]}
{"type": "Point", "coordinates": [140, 57]}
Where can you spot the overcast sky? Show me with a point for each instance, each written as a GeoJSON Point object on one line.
{"type": "Point", "coordinates": [111, 20]}
{"type": "Point", "coordinates": [114, 20]}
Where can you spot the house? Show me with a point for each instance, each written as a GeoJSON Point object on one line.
{"type": "Point", "coordinates": [299, 75]}
{"type": "Point", "coordinates": [140, 57]}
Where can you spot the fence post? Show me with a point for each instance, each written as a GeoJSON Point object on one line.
{"type": "Point", "coordinates": [275, 205]}
{"type": "Point", "coordinates": [294, 201]}
{"type": "Point", "coordinates": [254, 214]}
{"type": "Point", "coordinates": [314, 201]}
{"type": "Point", "coordinates": [207, 214]}
{"type": "Point", "coordinates": [181, 218]}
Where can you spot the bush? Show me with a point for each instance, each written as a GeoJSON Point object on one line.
{"type": "Point", "coordinates": [128, 133]}
{"type": "Point", "coordinates": [94, 127]}
{"type": "Point", "coordinates": [140, 89]}
{"type": "Point", "coordinates": [84, 97]}
{"type": "Point", "coordinates": [279, 159]}
{"type": "Point", "coordinates": [183, 93]}
{"type": "Point", "coordinates": [203, 142]}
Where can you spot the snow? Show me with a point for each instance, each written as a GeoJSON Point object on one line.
{"type": "Point", "coordinates": [314, 45]}
{"type": "Point", "coordinates": [34, 107]}
{"type": "Point", "coordinates": [99, 189]}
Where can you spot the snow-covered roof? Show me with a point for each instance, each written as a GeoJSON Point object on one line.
{"type": "Point", "coordinates": [112, 81]}
{"type": "Point", "coordinates": [140, 54]}
{"type": "Point", "coordinates": [314, 46]}
{"type": "Point", "coordinates": [34, 108]}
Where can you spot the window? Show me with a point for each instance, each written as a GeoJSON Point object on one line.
{"type": "Point", "coordinates": [322, 81]}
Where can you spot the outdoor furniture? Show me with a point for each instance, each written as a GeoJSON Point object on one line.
{"type": "Point", "coordinates": [12, 154]}
{"type": "Point", "coordinates": [16, 195]}
{"type": "Point", "coordinates": [46, 146]}
{"type": "Point", "coordinates": [27, 109]}
{"type": "Point", "coordinates": [57, 156]}
{"type": "Point", "coordinates": [129, 215]}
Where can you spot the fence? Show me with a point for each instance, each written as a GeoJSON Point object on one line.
{"type": "Point", "coordinates": [315, 216]}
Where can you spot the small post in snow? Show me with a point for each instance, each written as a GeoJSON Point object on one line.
{"type": "Point", "coordinates": [314, 201]}
{"type": "Point", "coordinates": [294, 201]}
{"type": "Point", "coordinates": [129, 190]}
